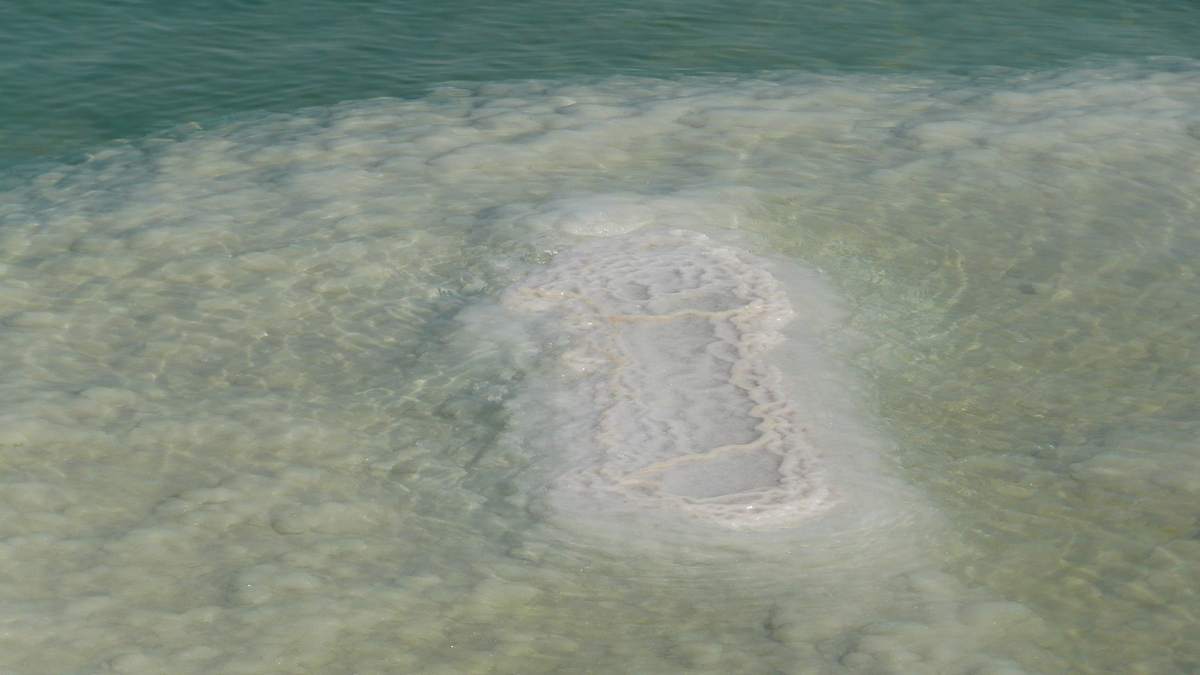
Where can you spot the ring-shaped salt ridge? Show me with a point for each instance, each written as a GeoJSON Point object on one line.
{"type": "Point", "coordinates": [680, 409]}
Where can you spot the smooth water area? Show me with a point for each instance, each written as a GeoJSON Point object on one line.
{"type": "Point", "coordinates": [264, 408]}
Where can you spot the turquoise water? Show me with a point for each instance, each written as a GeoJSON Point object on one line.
{"type": "Point", "coordinates": [293, 381]}
{"type": "Point", "coordinates": [77, 73]}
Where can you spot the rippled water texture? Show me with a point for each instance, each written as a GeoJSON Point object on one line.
{"type": "Point", "coordinates": [75, 72]}
{"type": "Point", "coordinates": [263, 411]}
{"type": "Point", "coordinates": [274, 396]}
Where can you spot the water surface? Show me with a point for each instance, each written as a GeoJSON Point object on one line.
{"type": "Point", "coordinates": [262, 412]}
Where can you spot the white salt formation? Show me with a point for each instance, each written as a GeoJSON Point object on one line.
{"type": "Point", "coordinates": [685, 412]}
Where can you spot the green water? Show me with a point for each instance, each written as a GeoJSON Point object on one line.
{"type": "Point", "coordinates": [261, 412]}
{"type": "Point", "coordinates": [76, 73]}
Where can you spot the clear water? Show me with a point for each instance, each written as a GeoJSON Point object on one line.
{"type": "Point", "coordinates": [262, 413]}
{"type": "Point", "coordinates": [76, 73]}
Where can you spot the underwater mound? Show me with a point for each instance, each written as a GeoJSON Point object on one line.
{"type": "Point", "coordinates": [683, 411]}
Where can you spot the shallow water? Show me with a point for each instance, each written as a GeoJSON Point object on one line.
{"type": "Point", "coordinates": [260, 414]}
{"type": "Point", "coordinates": [263, 410]}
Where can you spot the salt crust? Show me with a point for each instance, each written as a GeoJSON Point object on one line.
{"type": "Point", "coordinates": [685, 412]}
